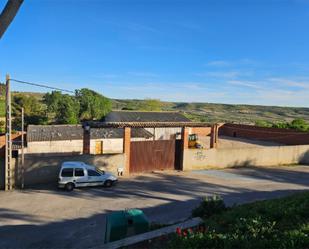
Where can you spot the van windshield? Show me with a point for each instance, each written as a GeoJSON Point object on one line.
{"type": "Point", "coordinates": [100, 171]}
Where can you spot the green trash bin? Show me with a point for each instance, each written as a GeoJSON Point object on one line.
{"type": "Point", "coordinates": [122, 224]}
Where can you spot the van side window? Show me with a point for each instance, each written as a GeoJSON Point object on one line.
{"type": "Point", "coordinates": [92, 173]}
{"type": "Point", "coordinates": [67, 172]}
{"type": "Point", "coordinates": [79, 172]}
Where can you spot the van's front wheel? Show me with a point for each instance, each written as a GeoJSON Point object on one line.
{"type": "Point", "coordinates": [108, 183]}
{"type": "Point", "coordinates": [69, 186]}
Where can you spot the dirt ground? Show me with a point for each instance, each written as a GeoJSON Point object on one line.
{"type": "Point", "coordinates": [45, 217]}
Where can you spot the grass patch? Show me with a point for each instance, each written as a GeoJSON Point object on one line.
{"type": "Point", "coordinates": [278, 223]}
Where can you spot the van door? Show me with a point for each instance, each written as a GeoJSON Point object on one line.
{"type": "Point", "coordinates": [94, 178]}
{"type": "Point", "coordinates": [80, 177]}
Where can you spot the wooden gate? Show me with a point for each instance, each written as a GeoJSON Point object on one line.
{"type": "Point", "coordinates": [146, 156]}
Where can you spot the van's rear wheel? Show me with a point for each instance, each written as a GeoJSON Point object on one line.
{"type": "Point", "coordinates": [108, 183]}
{"type": "Point", "coordinates": [69, 186]}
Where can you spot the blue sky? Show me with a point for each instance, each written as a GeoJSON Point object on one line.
{"type": "Point", "coordinates": [232, 51]}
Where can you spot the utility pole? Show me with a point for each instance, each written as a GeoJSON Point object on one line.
{"type": "Point", "coordinates": [22, 150]}
{"type": "Point", "coordinates": [8, 137]}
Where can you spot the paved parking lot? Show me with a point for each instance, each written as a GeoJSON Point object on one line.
{"type": "Point", "coordinates": [47, 218]}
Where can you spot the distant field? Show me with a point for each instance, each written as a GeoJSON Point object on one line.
{"type": "Point", "coordinates": [208, 112]}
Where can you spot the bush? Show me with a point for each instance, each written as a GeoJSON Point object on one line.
{"type": "Point", "coordinates": [209, 206]}
{"type": "Point", "coordinates": [280, 223]}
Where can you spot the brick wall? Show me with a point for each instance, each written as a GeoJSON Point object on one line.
{"type": "Point", "coordinates": [2, 142]}
{"type": "Point", "coordinates": [283, 136]}
{"type": "Point", "coordinates": [126, 148]}
{"type": "Point", "coordinates": [201, 131]}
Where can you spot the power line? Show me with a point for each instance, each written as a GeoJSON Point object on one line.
{"type": "Point", "coordinates": [41, 85]}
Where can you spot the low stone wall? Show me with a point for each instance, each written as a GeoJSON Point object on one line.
{"type": "Point", "coordinates": [265, 156]}
{"type": "Point", "coordinates": [41, 169]}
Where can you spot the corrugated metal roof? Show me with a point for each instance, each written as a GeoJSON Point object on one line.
{"type": "Point", "coordinates": [137, 116]}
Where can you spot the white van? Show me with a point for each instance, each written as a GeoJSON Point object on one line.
{"type": "Point", "coordinates": [79, 174]}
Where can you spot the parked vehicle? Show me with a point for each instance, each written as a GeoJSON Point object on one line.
{"type": "Point", "coordinates": [79, 174]}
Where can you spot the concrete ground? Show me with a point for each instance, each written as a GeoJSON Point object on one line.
{"type": "Point", "coordinates": [47, 218]}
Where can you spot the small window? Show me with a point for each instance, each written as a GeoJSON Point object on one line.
{"type": "Point", "coordinates": [67, 172]}
{"type": "Point", "coordinates": [93, 173]}
{"type": "Point", "coordinates": [79, 172]}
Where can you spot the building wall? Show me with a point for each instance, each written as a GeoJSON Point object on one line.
{"type": "Point", "coordinates": [110, 146]}
{"type": "Point", "coordinates": [283, 136]}
{"type": "Point", "coordinates": [75, 146]}
{"type": "Point", "coordinates": [201, 131]}
{"type": "Point", "coordinates": [225, 158]}
{"type": "Point", "coordinates": [40, 169]}
{"type": "Point", "coordinates": [67, 146]}
{"type": "Point", "coordinates": [165, 133]}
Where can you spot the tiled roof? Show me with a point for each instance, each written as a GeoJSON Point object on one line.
{"type": "Point", "coordinates": [96, 133]}
{"type": "Point", "coordinates": [75, 132]}
{"type": "Point", "coordinates": [136, 116]}
{"type": "Point", "coordinates": [54, 132]}
{"type": "Point", "coordinates": [146, 124]}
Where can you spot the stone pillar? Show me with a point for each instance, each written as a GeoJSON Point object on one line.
{"type": "Point", "coordinates": [185, 137]}
{"type": "Point", "coordinates": [126, 149]}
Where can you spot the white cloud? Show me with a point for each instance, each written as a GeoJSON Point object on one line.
{"type": "Point", "coordinates": [250, 84]}
{"type": "Point", "coordinates": [224, 74]}
{"type": "Point", "coordinates": [219, 63]}
{"type": "Point", "coordinates": [290, 83]}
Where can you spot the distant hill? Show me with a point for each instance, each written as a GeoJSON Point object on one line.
{"type": "Point", "coordinates": [209, 112]}
{"type": "Point", "coordinates": [205, 112]}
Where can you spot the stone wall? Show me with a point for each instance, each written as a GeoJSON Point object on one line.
{"type": "Point", "coordinates": [260, 156]}
{"type": "Point", "coordinates": [110, 146]}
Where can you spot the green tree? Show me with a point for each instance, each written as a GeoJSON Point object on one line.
{"type": "Point", "coordinates": [299, 124]}
{"type": "Point", "coordinates": [2, 126]}
{"type": "Point", "coordinates": [63, 107]}
{"type": "Point", "coordinates": [34, 111]}
{"type": "Point", "coordinates": [67, 110]}
{"type": "Point", "coordinates": [151, 105]}
{"type": "Point", "coordinates": [52, 100]}
{"type": "Point", "coordinates": [262, 123]}
{"type": "Point", "coordinates": [281, 125]}
{"type": "Point", "coordinates": [2, 90]}
{"type": "Point", "coordinates": [31, 105]}
{"type": "Point", "coordinates": [92, 104]}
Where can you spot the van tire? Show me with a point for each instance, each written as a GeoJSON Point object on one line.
{"type": "Point", "coordinates": [108, 183]}
{"type": "Point", "coordinates": [69, 186]}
